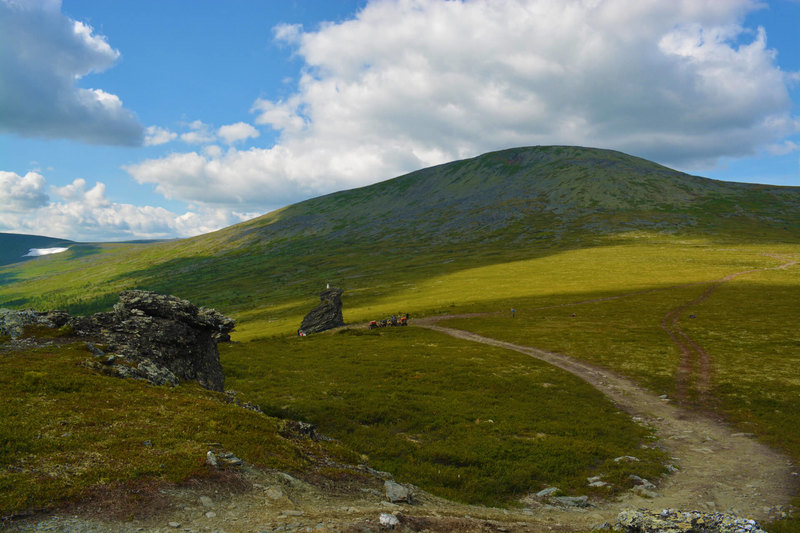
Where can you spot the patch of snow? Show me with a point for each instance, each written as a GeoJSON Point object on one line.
{"type": "Point", "coordinates": [36, 252]}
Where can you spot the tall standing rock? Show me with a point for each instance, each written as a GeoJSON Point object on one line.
{"type": "Point", "coordinates": [327, 315]}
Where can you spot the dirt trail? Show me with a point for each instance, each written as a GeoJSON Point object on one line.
{"type": "Point", "coordinates": [694, 370]}
{"type": "Point", "coordinates": [719, 469]}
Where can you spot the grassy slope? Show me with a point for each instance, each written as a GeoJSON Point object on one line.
{"type": "Point", "coordinates": [515, 204]}
{"type": "Point", "coordinates": [67, 430]}
{"type": "Point", "coordinates": [14, 246]}
{"type": "Point", "coordinates": [468, 422]}
{"type": "Point", "coordinates": [748, 327]}
{"type": "Point", "coordinates": [526, 228]}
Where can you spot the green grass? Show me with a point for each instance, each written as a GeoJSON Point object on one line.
{"type": "Point", "coordinates": [66, 430]}
{"type": "Point", "coordinates": [651, 273]}
{"type": "Point", "coordinates": [472, 423]}
{"type": "Point", "coordinates": [750, 329]}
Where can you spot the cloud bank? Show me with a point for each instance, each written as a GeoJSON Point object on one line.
{"type": "Point", "coordinates": [84, 213]}
{"type": "Point", "coordinates": [412, 83]}
{"type": "Point", "coordinates": [43, 54]}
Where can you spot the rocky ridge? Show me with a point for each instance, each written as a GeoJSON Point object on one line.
{"type": "Point", "coordinates": [159, 338]}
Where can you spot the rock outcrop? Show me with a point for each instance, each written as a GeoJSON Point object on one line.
{"type": "Point", "coordinates": [150, 336]}
{"type": "Point", "coordinates": [671, 521]}
{"type": "Point", "coordinates": [13, 323]}
{"type": "Point", "coordinates": [327, 315]}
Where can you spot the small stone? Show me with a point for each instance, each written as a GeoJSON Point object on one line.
{"type": "Point", "coordinates": [395, 492]}
{"type": "Point", "coordinates": [211, 459]}
{"type": "Point", "coordinates": [643, 492]}
{"type": "Point", "coordinates": [205, 501]}
{"type": "Point", "coordinates": [174, 524]}
{"type": "Point", "coordinates": [389, 521]}
{"type": "Point", "coordinates": [97, 352]}
{"type": "Point", "coordinates": [627, 459]}
{"type": "Point", "coordinates": [291, 512]}
{"type": "Point", "coordinates": [642, 482]}
{"type": "Point", "coordinates": [211, 514]}
{"type": "Point", "coordinates": [229, 459]}
{"type": "Point", "coordinates": [547, 492]}
{"type": "Point", "coordinates": [573, 501]}
{"type": "Point", "coordinates": [274, 493]}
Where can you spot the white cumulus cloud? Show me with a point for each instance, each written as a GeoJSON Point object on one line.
{"type": "Point", "coordinates": [199, 133]}
{"type": "Point", "coordinates": [411, 83]}
{"type": "Point", "coordinates": [43, 53]}
{"type": "Point", "coordinates": [155, 135]}
{"type": "Point", "coordinates": [77, 192]}
{"type": "Point", "coordinates": [21, 193]}
{"type": "Point", "coordinates": [240, 131]}
{"type": "Point", "coordinates": [85, 213]}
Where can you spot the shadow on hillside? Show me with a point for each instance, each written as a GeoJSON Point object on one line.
{"type": "Point", "coordinates": [258, 275]}
{"type": "Point", "coordinates": [8, 278]}
{"type": "Point", "coordinates": [83, 250]}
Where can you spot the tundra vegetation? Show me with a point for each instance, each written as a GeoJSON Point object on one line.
{"type": "Point", "coordinates": [592, 248]}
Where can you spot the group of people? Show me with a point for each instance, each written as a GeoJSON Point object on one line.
{"type": "Point", "coordinates": [394, 320]}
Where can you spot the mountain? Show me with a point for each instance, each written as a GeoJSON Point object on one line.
{"type": "Point", "coordinates": [526, 191]}
{"type": "Point", "coordinates": [14, 246]}
{"type": "Point", "coordinates": [501, 206]}
{"type": "Point", "coordinates": [686, 286]}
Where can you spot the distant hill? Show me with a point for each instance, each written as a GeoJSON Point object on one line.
{"type": "Point", "coordinates": [501, 206]}
{"type": "Point", "coordinates": [14, 246]}
{"type": "Point", "coordinates": [525, 193]}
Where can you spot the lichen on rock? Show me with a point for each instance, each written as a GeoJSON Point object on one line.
{"type": "Point", "coordinates": [672, 521]}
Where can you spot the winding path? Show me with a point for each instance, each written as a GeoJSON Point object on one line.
{"type": "Point", "coordinates": [719, 468]}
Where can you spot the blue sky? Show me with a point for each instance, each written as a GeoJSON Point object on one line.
{"type": "Point", "coordinates": [151, 119]}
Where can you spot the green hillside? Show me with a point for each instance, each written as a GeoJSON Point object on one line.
{"type": "Point", "coordinates": [501, 206]}
{"type": "Point", "coordinates": [595, 250]}
{"type": "Point", "coordinates": [14, 246]}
